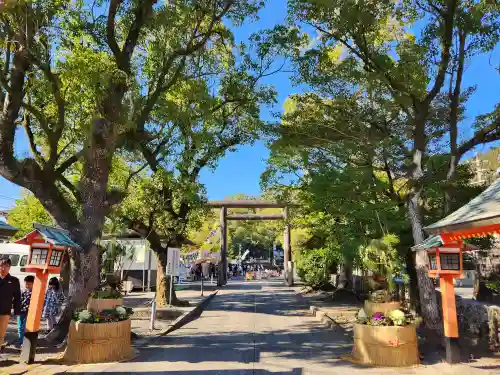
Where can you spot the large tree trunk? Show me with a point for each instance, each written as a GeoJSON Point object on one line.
{"type": "Point", "coordinates": [65, 274]}
{"type": "Point", "coordinates": [163, 282]}
{"type": "Point", "coordinates": [427, 293]}
{"type": "Point", "coordinates": [345, 276]}
{"type": "Point", "coordinates": [413, 287]}
{"type": "Point", "coordinates": [96, 203]}
{"type": "Point", "coordinates": [84, 278]}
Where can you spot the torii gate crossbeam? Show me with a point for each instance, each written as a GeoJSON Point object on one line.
{"type": "Point", "coordinates": [224, 217]}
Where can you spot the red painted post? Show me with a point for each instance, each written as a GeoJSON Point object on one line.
{"type": "Point", "coordinates": [34, 317]}
{"type": "Point", "coordinates": [450, 321]}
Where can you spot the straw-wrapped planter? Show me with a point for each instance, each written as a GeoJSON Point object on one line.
{"type": "Point", "coordinates": [101, 304]}
{"type": "Point", "coordinates": [394, 346]}
{"type": "Point", "coordinates": [98, 342]}
{"type": "Point", "coordinates": [100, 334]}
{"type": "Point", "coordinates": [381, 307]}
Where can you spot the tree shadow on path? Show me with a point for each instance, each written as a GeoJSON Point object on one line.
{"type": "Point", "coordinates": [295, 371]}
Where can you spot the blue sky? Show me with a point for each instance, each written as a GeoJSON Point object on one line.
{"type": "Point", "coordinates": [239, 172]}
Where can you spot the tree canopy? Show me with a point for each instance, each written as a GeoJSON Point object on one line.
{"type": "Point", "coordinates": [379, 121]}
{"type": "Point", "coordinates": [92, 81]}
{"type": "Point", "coordinates": [26, 211]}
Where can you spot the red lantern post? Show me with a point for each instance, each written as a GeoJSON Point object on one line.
{"type": "Point", "coordinates": [446, 262]}
{"type": "Point", "coordinates": [45, 258]}
{"type": "Point", "coordinates": [478, 218]}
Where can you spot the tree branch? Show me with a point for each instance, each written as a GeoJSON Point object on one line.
{"type": "Point", "coordinates": [159, 89]}
{"type": "Point", "coordinates": [487, 134]}
{"type": "Point", "coordinates": [133, 174]}
{"type": "Point", "coordinates": [9, 167]}
{"type": "Point", "coordinates": [142, 12]}
{"type": "Point", "coordinates": [370, 63]}
{"type": "Point", "coordinates": [53, 135]}
{"type": "Point", "coordinates": [110, 29]}
{"type": "Point", "coordinates": [454, 110]}
{"type": "Point", "coordinates": [446, 42]}
{"type": "Point", "coordinates": [113, 197]}
{"type": "Point", "coordinates": [31, 138]}
{"type": "Point", "coordinates": [3, 76]}
{"type": "Point", "coordinates": [392, 191]}
{"type": "Point", "coordinates": [69, 162]}
{"type": "Point", "coordinates": [206, 35]}
{"type": "Point", "coordinates": [213, 154]}
{"type": "Point", "coordinates": [42, 120]}
{"type": "Point", "coordinates": [72, 188]}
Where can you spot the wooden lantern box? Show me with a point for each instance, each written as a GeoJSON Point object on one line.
{"type": "Point", "coordinates": [394, 346]}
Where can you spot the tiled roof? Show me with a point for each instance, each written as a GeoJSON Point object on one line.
{"type": "Point", "coordinates": [5, 226]}
{"type": "Point", "coordinates": [483, 210]}
{"type": "Point", "coordinates": [429, 243]}
{"type": "Point", "coordinates": [55, 236]}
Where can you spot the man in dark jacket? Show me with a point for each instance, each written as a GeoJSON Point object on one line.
{"type": "Point", "coordinates": [10, 297]}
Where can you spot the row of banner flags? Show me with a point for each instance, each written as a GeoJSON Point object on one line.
{"type": "Point", "coordinates": [212, 233]}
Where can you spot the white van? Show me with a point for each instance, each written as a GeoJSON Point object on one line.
{"type": "Point", "coordinates": [18, 255]}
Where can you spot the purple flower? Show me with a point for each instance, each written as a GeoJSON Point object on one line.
{"type": "Point", "coordinates": [378, 316]}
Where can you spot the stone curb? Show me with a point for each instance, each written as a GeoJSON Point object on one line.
{"type": "Point", "coordinates": [189, 315]}
{"type": "Point", "coordinates": [323, 317]}
{"type": "Point", "coordinates": [163, 313]}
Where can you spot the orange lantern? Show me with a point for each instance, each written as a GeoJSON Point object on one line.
{"type": "Point", "coordinates": [47, 248]}
{"type": "Point", "coordinates": [445, 261]}
{"type": "Point", "coordinates": [478, 218]}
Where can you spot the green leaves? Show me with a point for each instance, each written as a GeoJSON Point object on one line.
{"type": "Point", "coordinates": [374, 124]}
{"type": "Point", "coordinates": [381, 256]}
{"type": "Point", "coordinates": [112, 92]}
{"type": "Point", "coordinates": [28, 210]}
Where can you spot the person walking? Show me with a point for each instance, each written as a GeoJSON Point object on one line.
{"type": "Point", "coordinates": [25, 304]}
{"type": "Point", "coordinates": [54, 299]}
{"type": "Point", "coordinates": [10, 297]}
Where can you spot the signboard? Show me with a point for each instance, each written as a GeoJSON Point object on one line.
{"type": "Point", "coordinates": [173, 258]}
{"type": "Point", "coordinates": [245, 254]}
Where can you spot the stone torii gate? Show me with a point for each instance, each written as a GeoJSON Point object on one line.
{"type": "Point", "coordinates": [224, 217]}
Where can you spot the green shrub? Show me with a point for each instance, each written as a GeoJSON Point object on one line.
{"type": "Point", "coordinates": [314, 267]}
{"type": "Point", "coordinates": [106, 293]}
{"type": "Point", "coordinates": [107, 316]}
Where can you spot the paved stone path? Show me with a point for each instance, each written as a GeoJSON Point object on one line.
{"type": "Point", "coordinates": [258, 328]}
{"type": "Point", "coordinates": [189, 292]}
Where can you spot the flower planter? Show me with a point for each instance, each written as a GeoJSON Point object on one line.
{"type": "Point", "coordinates": [394, 346]}
{"type": "Point", "coordinates": [98, 342]}
{"type": "Point", "coordinates": [381, 307]}
{"type": "Point", "coordinates": [103, 304]}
